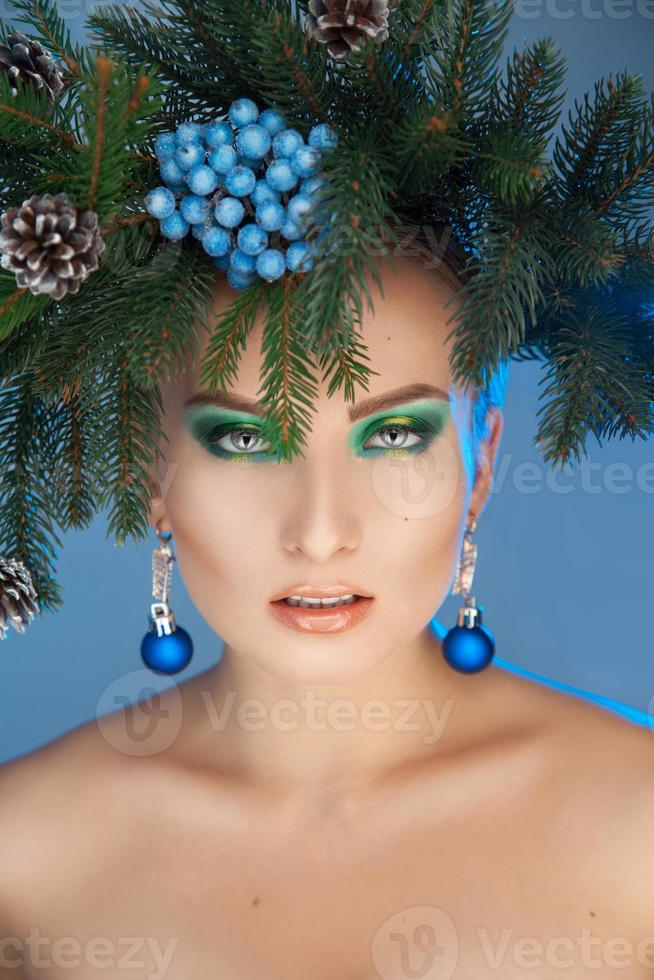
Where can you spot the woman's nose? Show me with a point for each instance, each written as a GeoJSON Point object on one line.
{"type": "Point", "coordinates": [323, 518]}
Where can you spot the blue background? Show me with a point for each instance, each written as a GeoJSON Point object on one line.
{"type": "Point", "coordinates": [565, 577]}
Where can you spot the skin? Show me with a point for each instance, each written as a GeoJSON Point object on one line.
{"type": "Point", "coordinates": [486, 808]}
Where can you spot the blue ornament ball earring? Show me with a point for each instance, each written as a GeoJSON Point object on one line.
{"type": "Point", "coordinates": [468, 647]}
{"type": "Point", "coordinates": [166, 648]}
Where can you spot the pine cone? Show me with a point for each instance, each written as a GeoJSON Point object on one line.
{"type": "Point", "coordinates": [50, 245]}
{"type": "Point", "coordinates": [26, 59]}
{"type": "Point", "coordinates": [345, 25]}
{"type": "Point", "coordinates": [18, 602]}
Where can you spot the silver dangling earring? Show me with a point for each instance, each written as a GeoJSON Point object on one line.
{"type": "Point", "coordinates": [468, 647]}
{"type": "Point", "coordinates": [166, 648]}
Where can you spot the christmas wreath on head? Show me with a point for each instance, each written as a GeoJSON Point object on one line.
{"type": "Point", "coordinates": [281, 144]}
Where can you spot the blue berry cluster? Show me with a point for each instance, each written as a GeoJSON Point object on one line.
{"type": "Point", "coordinates": [245, 187]}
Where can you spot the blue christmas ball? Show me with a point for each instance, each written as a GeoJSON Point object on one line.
{"type": "Point", "coordinates": [272, 120]}
{"type": "Point", "coordinates": [245, 265]}
{"type": "Point", "coordinates": [223, 158]}
{"type": "Point", "coordinates": [216, 241]}
{"type": "Point", "coordinates": [292, 231]}
{"type": "Point", "coordinates": [264, 192]}
{"type": "Point", "coordinates": [240, 181]}
{"type": "Point", "coordinates": [174, 227]}
{"type": "Point", "coordinates": [271, 264]}
{"type": "Point", "coordinates": [194, 208]}
{"type": "Point", "coordinates": [171, 173]}
{"type": "Point", "coordinates": [189, 155]}
{"type": "Point", "coordinates": [271, 215]}
{"type": "Point", "coordinates": [165, 145]}
{"type": "Point", "coordinates": [252, 239]}
{"type": "Point", "coordinates": [229, 212]}
{"type": "Point", "coordinates": [299, 208]}
{"type": "Point", "coordinates": [242, 112]}
{"type": "Point", "coordinates": [468, 648]}
{"type": "Point", "coordinates": [202, 179]}
{"type": "Point", "coordinates": [221, 262]}
{"type": "Point", "coordinates": [305, 161]}
{"type": "Point", "coordinates": [238, 281]}
{"type": "Point", "coordinates": [167, 654]}
{"type": "Point", "coordinates": [254, 141]}
{"type": "Point", "coordinates": [323, 137]}
{"type": "Point", "coordinates": [285, 144]}
{"type": "Point", "coordinates": [298, 257]}
{"type": "Point", "coordinates": [280, 176]}
{"type": "Point", "coordinates": [160, 202]}
{"type": "Point", "coordinates": [188, 132]}
{"type": "Point", "coordinates": [218, 133]}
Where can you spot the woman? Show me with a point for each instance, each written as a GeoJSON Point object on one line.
{"type": "Point", "coordinates": [334, 802]}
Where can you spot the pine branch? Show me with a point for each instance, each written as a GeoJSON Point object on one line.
{"type": "Point", "coordinates": [16, 304]}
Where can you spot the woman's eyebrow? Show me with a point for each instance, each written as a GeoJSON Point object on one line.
{"type": "Point", "coordinates": [378, 403]}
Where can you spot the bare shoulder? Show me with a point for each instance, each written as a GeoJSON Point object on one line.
{"type": "Point", "coordinates": [598, 793]}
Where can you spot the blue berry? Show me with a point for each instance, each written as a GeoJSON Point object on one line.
{"type": "Point", "coordinates": [238, 281]}
{"type": "Point", "coordinates": [188, 132]}
{"type": "Point", "coordinates": [202, 179]}
{"type": "Point", "coordinates": [245, 264]}
{"type": "Point", "coordinates": [216, 241]}
{"type": "Point", "coordinates": [271, 215]}
{"type": "Point", "coordinates": [189, 155]}
{"type": "Point", "coordinates": [305, 161]}
{"type": "Point", "coordinates": [323, 137]}
{"type": "Point", "coordinates": [299, 208]}
{"type": "Point", "coordinates": [273, 121]}
{"type": "Point", "coordinates": [271, 264]}
{"type": "Point", "coordinates": [160, 202]}
{"type": "Point", "coordinates": [218, 133]}
{"type": "Point", "coordinates": [242, 112]}
{"type": "Point", "coordinates": [280, 176]}
{"type": "Point", "coordinates": [171, 172]}
{"type": "Point", "coordinates": [165, 145]}
{"type": "Point", "coordinates": [174, 227]}
{"type": "Point", "coordinates": [229, 212]}
{"type": "Point", "coordinates": [254, 141]}
{"type": "Point", "coordinates": [240, 181]}
{"type": "Point", "coordinates": [252, 239]}
{"type": "Point", "coordinates": [263, 192]}
{"type": "Point", "coordinates": [311, 184]}
{"type": "Point", "coordinates": [298, 256]}
{"type": "Point", "coordinates": [287, 142]}
{"type": "Point", "coordinates": [194, 208]}
{"type": "Point", "coordinates": [221, 262]}
{"type": "Point", "coordinates": [199, 230]}
{"type": "Point", "coordinates": [291, 231]}
{"type": "Point", "coordinates": [223, 158]}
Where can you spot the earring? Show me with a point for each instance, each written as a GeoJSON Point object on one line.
{"type": "Point", "coordinates": [166, 648]}
{"type": "Point", "coordinates": [468, 647]}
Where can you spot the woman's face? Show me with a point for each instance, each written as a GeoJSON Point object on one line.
{"type": "Point", "coordinates": [376, 506]}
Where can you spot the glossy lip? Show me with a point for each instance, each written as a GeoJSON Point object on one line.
{"type": "Point", "coordinates": [321, 620]}
{"type": "Point", "coordinates": [316, 592]}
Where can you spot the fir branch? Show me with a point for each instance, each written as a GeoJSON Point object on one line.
{"type": "Point", "coordinates": [219, 368]}
{"type": "Point", "coordinates": [16, 304]}
{"type": "Point", "coordinates": [26, 529]}
{"type": "Point", "coordinates": [287, 377]}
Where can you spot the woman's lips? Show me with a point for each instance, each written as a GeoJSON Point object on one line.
{"type": "Point", "coordinates": [333, 620]}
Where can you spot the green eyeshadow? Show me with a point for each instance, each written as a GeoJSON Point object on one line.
{"type": "Point", "coordinates": [425, 418]}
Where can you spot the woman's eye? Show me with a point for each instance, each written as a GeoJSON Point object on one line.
{"type": "Point", "coordinates": [242, 441]}
{"type": "Point", "coordinates": [394, 437]}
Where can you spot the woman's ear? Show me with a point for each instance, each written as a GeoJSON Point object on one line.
{"type": "Point", "coordinates": [486, 459]}
{"type": "Point", "coordinates": [157, 515]}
